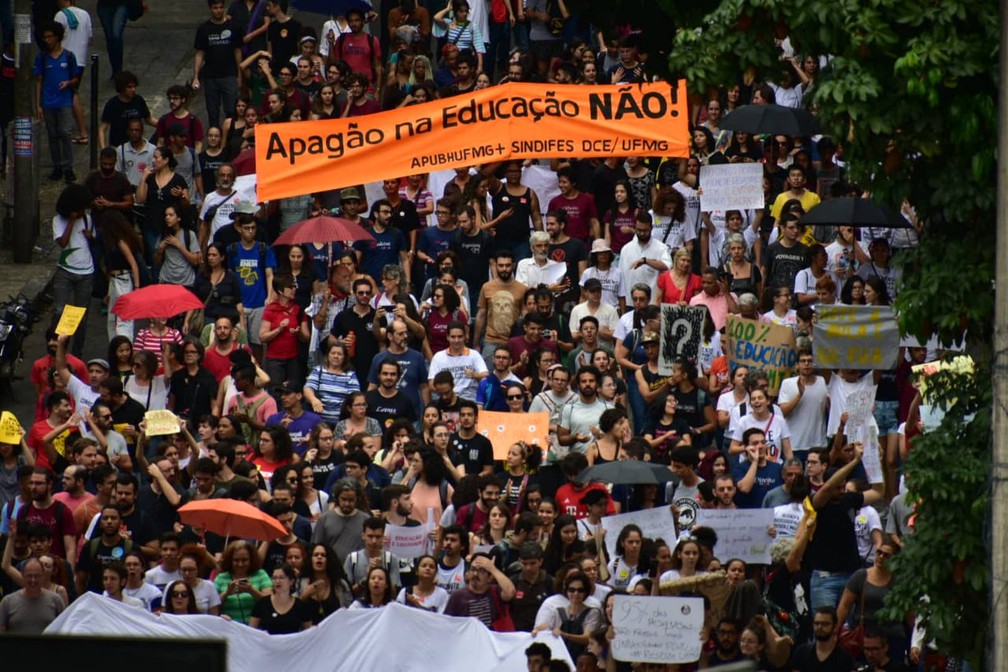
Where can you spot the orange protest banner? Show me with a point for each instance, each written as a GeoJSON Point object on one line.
{"type": "Point", "coordinates": [510, 121]}
{"type": "Point", "coordinates": [506, 429]}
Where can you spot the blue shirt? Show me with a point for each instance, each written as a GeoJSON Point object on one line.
{"type": "Point", "coordinates": [299, 428]}
{"type": "Point", "coordinates": [413, 368]}
{"type": "Point", "coordinates": [384, 249]}
{"type": "Point", "coordinates": [768, 477]}
{"type": "Point", "coordinates": [55, 71]}
{"type": "Point", "coordinates": [246, 265]}
{"type": "Point", "coordinates": [432, 242]}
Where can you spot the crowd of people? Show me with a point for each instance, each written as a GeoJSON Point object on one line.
{"type": "Point", "coordinates": [338, 385]}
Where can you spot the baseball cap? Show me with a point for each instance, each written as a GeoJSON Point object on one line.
{"type": "Point", "coordinates": [100, 362]}
{"type": "Point", "coordinates": [349, 194]}
{"type": "Point", "coordinates": [592, 285]}
{"type": "Point", "coordinates": [287, 387]}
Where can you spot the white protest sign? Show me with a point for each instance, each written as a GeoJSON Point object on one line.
{"type": "Point", "coordinates": [657, 629]}
{"type": "Point", "coordinates": [861, 428]}
{"type": "Point", "coordinates": [654, 523]}
{"type": "Point", "coordinates": [407, 542]}
{"type": "Point", "coordinates": [742, 533]}
{"type": "Point", "coordinates": [734, 186]}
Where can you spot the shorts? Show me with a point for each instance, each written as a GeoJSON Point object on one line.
{"type": "Point", "coordinates": [885, 417]}
{"type": "Point", "coordinates": [253, 319]}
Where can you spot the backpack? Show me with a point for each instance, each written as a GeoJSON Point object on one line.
{"type": "Point", "coordinates": [356, 555]}
{"type": "Point", "coordinates": [250, 434]}
{"type": "Point", "coordinates": [371, 52]}
{"type": "Point", "coordinates": [573, 626]}
{"type": "Point", "coordinates": [232, 253]}
{"type": "Point", "coordinates": [92, 549]}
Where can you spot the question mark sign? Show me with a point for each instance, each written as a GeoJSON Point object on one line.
{"type": "Point", "coordinates": [684, 326]}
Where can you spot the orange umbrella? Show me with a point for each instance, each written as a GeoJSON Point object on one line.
{"type": "Point", "coordinates": [232, 518]}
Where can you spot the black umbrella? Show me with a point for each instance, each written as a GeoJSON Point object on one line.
{"type": "Point", "coordinates": [774, 119]}
{"type": "Point", "coordinates": [848, 211]}
{"type": "Point", "coordinates": [627, 471]}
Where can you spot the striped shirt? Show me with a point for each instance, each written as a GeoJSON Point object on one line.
{"type": "Point", "coordinates": [331, 389]}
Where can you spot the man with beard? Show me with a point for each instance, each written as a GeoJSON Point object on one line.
{"type": "Point", "coordinates": [582, 217]}
{"type": "Point", "coordinates": [109, 188]}
{"type": "Point", "coordinates": [388, 247]}
{"type": "Point", "coordinates": [522, 347]}
{"type": "Point", "coordinates": [498, 316]}
{"type": "Point", "coordinates": [643, 259]}
{"type": "Point", "coordinates": [218, 205]}
{"type": "Point", "coordinates": [579, 419]}
{"type": "Point", "coordinates": [74, 494]}
{"type": "Point", "coordinates": [412, 380]}
{"type": "Point", "coordinates": [539, 269]}
{"type": "Point", "coordinates": [823, 654]}
{"type": "Point", "coordinates": [386, 402]}
{"type": "Point", "coordinates": [727, 651]}
{"type": "Point", "coordinates": [217, 358]}
{"type": "Point", "coordinates": [473, 245]}
{"type": "Point", "coordinates": [404, 214]}
{"type": "Point", "coordinates": [101, 425]}
{"type": "Point", "coordinates": [397, 505]}
{"type": "Point", "coordinates": [556, 324]}
{"type": "Point", "coordinates": [566, 250]}
{"type": "Point", "coordinates": [354, 326]}
{"type": "Point", "coordinates": [98, 552]}
{"type": "Point", "coordinates": [56, 516]}
{"type": "Point", "coordinates": [42, 366]}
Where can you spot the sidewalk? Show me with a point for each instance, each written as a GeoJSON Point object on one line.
{"type": "Point", "coordinates": [158, 49]}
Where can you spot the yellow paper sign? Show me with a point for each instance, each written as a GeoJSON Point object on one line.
{"type": "Point", "coordinates": [70, 320]}
{"type": "Point", "coordinates": [10, 428]}
{"type": "Point", "coordinates": [506, 429]}
{"type": "Point", "coordinates": [161, 422]}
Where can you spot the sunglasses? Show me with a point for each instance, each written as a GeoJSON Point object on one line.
{"type": "Point", "coordinates": [573, 589]}
{"type": "Point", "coordinates": [515, 396]}
{"type": "Point", "coordinates": [180, 595]}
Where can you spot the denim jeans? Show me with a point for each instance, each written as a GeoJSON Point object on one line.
{"type": "Point", "coordinates": [521, 35]}
{"type": "Point", "coordinates": [113, 21]}
{"type": "Point", "coordinates": [826, 588]}
{"type": "Point", "coordinates": [59, 124]}
{"type": "Point", "coordinates": [495, 60]}
{"type": "Point", "coordinates": [219, 91]}
{"type": "Point", "coordinates": [75, 290]}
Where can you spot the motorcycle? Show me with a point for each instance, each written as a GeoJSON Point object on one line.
{"type": "Point", "coordinates": [15, 325]}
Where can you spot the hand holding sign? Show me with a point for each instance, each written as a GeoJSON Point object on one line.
{"type": "Point", "coordinates": [70, 320]}
{"type": "Point", "coordinates": [657, 629]}
{"type": "Point", "coordinates": [10, 429]}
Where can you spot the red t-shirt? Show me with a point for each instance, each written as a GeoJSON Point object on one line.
{"type": "Point", "coordinates": [58, 518]}
{"type": "Point", "coordinates": [285, 345]}
{"type": "Point", "coordinates": [569, 500]}
{"type": "Point", "coordinates": [60, 443]}
{"type": "Point", "coordinates": [672, 294]}
{"type": "Point", "coordinates": [518, 345]}
{"type": "Point", "coordinates": [217, 364]}
{"type": "Point", "coordinates": [579, 210]}
{"type": "Point", "coordinates": [40, 376]}
{"type": "Point", "coordinates": [359, 52]}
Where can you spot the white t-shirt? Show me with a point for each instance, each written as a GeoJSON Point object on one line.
{"type": "Point", "coordinates": [612, 284]}
{"type": "Point", "coordinates": [726, 402]}
{"type": "Point", "coordinates": [465, 387]}
{"type": "Point", "coordinates": [775, 428]}
{"type": "Point", "coordinates": [158, 577]}
{"type": "Point", "coordinates": [76, 40]}
{"type": "Point", "coordinates": [620, 573]}
{"type": "Point", "coordinates": [673, 234]}
{"type": "Point", "coordinates": [807, 421]}
{"type": "Point", "coordinates": [786, 519]}
{"type": "Point", "coordinates": [839, 389]}
{"type": "Point", "coordinates": [549, 612]}
{"type": "Point", "coordinates": [222, 217]}
{"type": "Point", "coordinates": [451, 578]}
{"type": "Point", "coordinates": [865, 522]}
{"type": "Point", "coordinates": [158, 393]}
{"type": "Point", "coordinates": [146, 593]}
{"type": "Point", "coordinates": [606, 315]}
{"type": "Point", "coordinates": [206, 596]}
{"type": "Point", "coordinates": [76, 256]}
{"type": "Point", "coordinates": [436, 601]}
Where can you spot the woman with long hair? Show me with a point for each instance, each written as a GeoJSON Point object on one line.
{"type": "Point", "coordinates": [397, 435]}
{"type": "Point", "coordinates": [377, 591]}
{"type": "Point", "coordinates": [641, 181]}
{"type": "Point", "coordinates": [519, 466]}
{"type": "Point", "coordinates": [685, 561]}
{"type": "Point", "coordinates": [516, 398]}
{"type": "Point", "coordinates": [324, 587]}
{"type": "Point", "coordinates": [496, 527]}
{"type": "Point", "coordinates": [744, 147]}
{"type": "Point", "coordinates": [668, 219]}
{"type": "Point", "coordinates": [179, 599]}
{"type": "Point", "coordinates": [274, 450]}
{"type": "Point", "coordinates": [234, 126]}
{"type": "Point", "coordinates": [355, 420]}
{"type": "Point", "coordinates": [431, 414]}
{"type": "Point", "coordinates": [805, 281]}
{"type": "Point", "coordinates": [316, 499]}
{"type": "Point", "coordinates": [241, 581]}
{"type": "Point", "coordinates": [665, 430]}
{"type": "Point", "coordinates": [195, 560]}
{"type": "Point", "coordinates": [853, 293]}
{"type": "Point", "coordinates": [781, 313]}
{"type": "Point", "coordinates": [123, 248]}
{"type": "Point", "coordinates": [147, 386]}
{"type": "Point", "coordinates": [298, 265]}
{"type": "Point", "coordinates": [120, 357]}
{"type": "Point", "coordinates": [280, 613]}
{"type": "Point", "coordinates": [425, 593]}
{"type": "Point", "coordinates": [539, 363]}
{"type": "Point", "coordinates": [620, 220]}
{"type": "Point", "coordinates": [330, 383]}
{"type": "Point", "coordinates": [161, 186]}
{"type": "Point", "coordinates": [324, 106]}
{"type": "Point", "coordinates": [445, 308]}
{"type": "Point", "coordinates": [630, 560]}
{"type": "Point", "coordinates": [219, 289]}
{"type": "Point", "coordinates": [427, 478]}
{"type": "Point", "coordinates": [177, 254]}
{"type": "Point", "coordinates": [564, 545]}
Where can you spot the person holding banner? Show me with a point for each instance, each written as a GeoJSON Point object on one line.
{"type": "Point", "coordinates": [425, 593]}
{"type": "Point", "coordinates": [573, 615]}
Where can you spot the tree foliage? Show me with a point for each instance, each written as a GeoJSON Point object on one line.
{"type": "Point", "coordinates": [910, 92]}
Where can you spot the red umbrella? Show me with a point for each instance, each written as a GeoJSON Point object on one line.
{"type": "Point", "coordinates": [322, 229]}
{"type": "Point", "coordinates": [156, 301]}
{"type": "Point", "coordinates": [231, 518]}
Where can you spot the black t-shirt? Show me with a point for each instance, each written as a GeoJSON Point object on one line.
{"type": "Point", "coordinates": [322, 468]}
{"type": "Point", "coordinates": [388, 409]}
{"type": "Point", "coordinates": [365, 344]}
{"type": "Point", "coordinates": [276, 623]}
{"type": "Point", "coordinates": [283, 39]}
{"type": "Point", "coordinates": [527, 600]}
{"type": "Point", "coordinates": [834, 546]}
{"type": "Point", "coordinates": [158, 510]}
{"type": "Point", "coordinates": [474, 251]}
{"type": "Point", "coordinates": [140, 526]}
{"type": "Point", "coordinates": [572, 252]}
{"type": "Point", "coordinates": [240, 15]}
{"type": "Point", "coordinates": [804, 659]}
{"type": "Point", "coordinates": [691, 406]}
{"type": "Point", "coordinates": [218, 42]}
{"type": "Point", "coordinates": [603, 186]}
{"type": "Point", "coordinates": [118, 112]}
{"type": "Point", "coordinates": [309, 90]}
{"type": "Point", "coordinates": [783, 263]}
{"type": "Point", "coordinates": [95, 556]}
{"type": "Point", "coordinates": [475, 453]}
{"type": "Point", "coordinates": [114, 188]}
{"type": "Point", "coordinates": [405, 217]}
{"type": "Point", "coordinates": [450, 412]}
{"type": "Point", "coordinates": [130, 413]}
{"type": "Point", "coordinates": [193, 394]}
{"type": "Point", "coordinates": [208, 168]}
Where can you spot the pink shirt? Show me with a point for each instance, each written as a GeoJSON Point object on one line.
{"type": "Point", "coordinates": [717, 305]}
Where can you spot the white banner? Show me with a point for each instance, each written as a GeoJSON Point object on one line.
{"type": "Point", "coordinates": [657, 629]}
{"type": "Point", "coordinates": [742, 533]}
{"type": "Point", "coordinates": [654, 523]}
{"type": "Point", "coordinates": [733, 186]}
